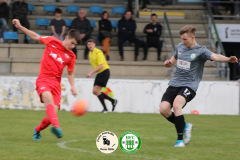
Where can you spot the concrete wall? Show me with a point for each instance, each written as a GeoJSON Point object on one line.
{"type": "Point", "coordinates": [136, 96]}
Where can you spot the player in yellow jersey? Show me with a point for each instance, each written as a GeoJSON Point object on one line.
{"type": "Point", "coordinates": [101, 67]}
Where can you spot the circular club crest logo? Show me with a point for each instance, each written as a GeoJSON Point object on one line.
{"type": "Point", "coordinates": [193, 55]}
{"type": "Point", "coordinates": [107, 142]}
{"type": "Point", "coordinates": [130, 142]}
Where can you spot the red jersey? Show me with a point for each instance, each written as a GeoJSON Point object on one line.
{"type": "Point", "coordinates": [55, 58]}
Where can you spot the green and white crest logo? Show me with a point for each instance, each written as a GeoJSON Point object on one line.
{"type": "Point", "coordinates": [193, 55]}
{"type": "Point", "coordinates": [130, 142]}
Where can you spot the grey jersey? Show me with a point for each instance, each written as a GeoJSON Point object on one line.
{"type": "Point", "coordinates": [189, 66]}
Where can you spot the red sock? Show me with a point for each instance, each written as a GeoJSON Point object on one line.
{"type": "Point", "coordinates": [52, 115]}
{"type": "Point", "coordinates": [44, 124]}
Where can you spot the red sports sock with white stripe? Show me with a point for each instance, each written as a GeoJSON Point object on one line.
{"type": "Point", "coordinates": [44, 124]}
{"type": "Point", "coordinates": [52, 115]}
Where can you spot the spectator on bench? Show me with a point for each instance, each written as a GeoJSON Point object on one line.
{"type": "Point", "coordinates": [105, 29]}
{"type": "Point", "coordinates": [58, 25]}
{"type": "Point", "coordinates": [153, 31]}
{"type": "Point", "coordinates": [126, 32]}
{"type": "Point", "coordinates": [144, 5]}
{"type": "Point", "coordinates": [20, 11]}
{"type": "Point", "coordinates": [4, 14]}
{"type": "Point", "coordinates": [82, 24]}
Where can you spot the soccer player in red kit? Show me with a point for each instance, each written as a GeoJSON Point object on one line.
{"type": "Point", "coordinates": [56, 56]}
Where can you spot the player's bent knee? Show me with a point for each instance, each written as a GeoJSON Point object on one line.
{"type": "Point", "coordinates": [47, 98]}
{"type": "Point", "coordinates": [176, 108]}
{"type": "Point", "coordinates": [164, 110]}
{"type": "Point", "coordinates": [95, 92]}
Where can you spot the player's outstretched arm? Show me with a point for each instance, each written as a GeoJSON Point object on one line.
{"type": "Point", "coordinates": [169, 63]}
{"type": "Point", "coordinates": [71, 81]}
{"type": "Point", "coordinates": [221, 58]}
{"type": "Point", "coordinates": [28, 32]}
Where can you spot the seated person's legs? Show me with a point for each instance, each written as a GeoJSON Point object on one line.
{"type": "Point", "coordinates": [158, 45]}
{"type": "Point", "coordinates": [26, 24]}
{"type": "Point", "coordinates": [138, 43]}
{"type": "Point", "coordinates": [4, 27]}
{"type": "Point", "coordinates": [146, 46]}
{"type": "Point", "coordinates": [86, 51]}
{"type": "Point", "coordinates": [105, 44]}
{"type": "Point", "coordinates": [121, 40]}
{"type": "Point", "coordinates": [75, 51]}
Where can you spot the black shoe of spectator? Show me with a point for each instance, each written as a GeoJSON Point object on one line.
{"type": "Point", "coordinates": [108, 58]}
{"type": "Point", "coordinates": [26, 41]}
{"type": "Point", "coordinates": [122, 58]}
{"type": "Point", "coordinates": [16, 41]}
{"type": "Point", "coordinates": [159, 59]}
{"type": "Point", "coordinates": [135, 58]}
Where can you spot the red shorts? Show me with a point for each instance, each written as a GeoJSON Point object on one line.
{"type": "Point", "coordinates": [52, 85]}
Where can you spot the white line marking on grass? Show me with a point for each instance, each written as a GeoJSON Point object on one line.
{"type": "Point", "coordinates": [154, 138]}
{"type": "Point", "coordinates": [63, 145]}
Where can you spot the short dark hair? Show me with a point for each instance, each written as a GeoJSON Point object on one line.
{"type": "Point", "coordinates": [91, 40]}
{"type": "Point", "coordinates": [127, 11]}
{"type": "Point", "coordinates": [104, 13]}
{"type": "Point", "coordinates": [58, 10]}
{"type": "Point", "coordinates": [154, 14]}
{"type": "Point", "coordinates": [74, 34]}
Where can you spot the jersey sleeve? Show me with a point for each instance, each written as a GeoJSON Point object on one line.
{"type": "Point", "coordinates": [71, 64]}
{"type": "Point", "coordinates": [206, 54]}
{"type": "Point", "coordinates": [100, 58]}
{"type": "Point", "coordinates": [46, 39]}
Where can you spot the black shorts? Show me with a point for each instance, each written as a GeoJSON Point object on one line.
{"type": "Point", "coordinates": [102, 78]}
{"type": "Point", "coordinates": [172, 92]}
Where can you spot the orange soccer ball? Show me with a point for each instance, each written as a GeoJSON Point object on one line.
{"type": "Point", "coordinates": [79, 108]}
{"type": "Point", "coordinates": [195, 112]}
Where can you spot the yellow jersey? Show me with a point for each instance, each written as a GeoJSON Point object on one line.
{"type": "Point", "coordinates": [96, 58]}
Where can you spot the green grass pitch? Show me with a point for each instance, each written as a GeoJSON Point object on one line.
{"type": "Point", "coordinates": [213, 137]}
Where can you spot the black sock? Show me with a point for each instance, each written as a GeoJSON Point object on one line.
{"type": "Point", "coordinates": [171, 118]}
{"type": "Point", "coordinates": [107, 97]}
{"type": "Point", "coordinates": [180, 124]}
{"type": "Point", "coordinates": [101, 99]}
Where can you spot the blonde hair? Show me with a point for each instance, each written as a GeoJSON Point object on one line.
{"type": "Point", "coordinates": [189, 29]}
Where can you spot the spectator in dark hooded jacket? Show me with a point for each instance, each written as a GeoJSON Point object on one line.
{"type": "Point", "coordinates": [82, 24]}
{"type": "Point", "coordinates": [4, 13]}
{"type": "Point", "coordinates": [126, 32]}
{"type": "Point", "coordinates": [20, 11]}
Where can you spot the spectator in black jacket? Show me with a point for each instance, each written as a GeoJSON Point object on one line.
{"type": "Point", "coordinates": [153, 31]}
{"type": "Point", "coordinates": [144, 5]}
{"type": "Point", "coordinates": [58, 25]}
{"type": "Point", "coordinates": [20, 11]}
{"type": "Point", "coordinates": [126, 32]}
{"type": "Point", "coordinates": [105, 29]}
{"type": "Point", "coordinates": [82, 24]}
{"type": "Point", "coordinates": [4, 13]}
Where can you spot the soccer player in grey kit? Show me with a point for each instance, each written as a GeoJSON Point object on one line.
{"type": "Point", "coordinates": [189, 59]}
